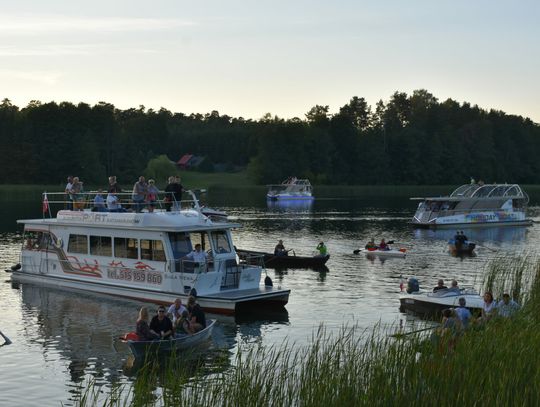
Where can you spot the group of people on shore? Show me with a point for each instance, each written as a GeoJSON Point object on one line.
{"type": "Point", "coordinates": [143, 195]}
{"type": "Point", "coordinates": [455, 320]}
{"type": "Point", "coordinates": [167, 323]}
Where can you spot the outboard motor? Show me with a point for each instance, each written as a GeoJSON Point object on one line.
{"type": "Point", "coordinates": [412, 285]}
{"type": "Point", "coordinates": [193, 292]}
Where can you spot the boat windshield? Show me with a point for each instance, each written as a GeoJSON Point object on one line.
{"type": "Point", "coordinates": [221, 242]}
{"type": "Point", "coordinates": [182, 243]}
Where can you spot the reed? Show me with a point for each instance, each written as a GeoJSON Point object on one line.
{"type": "Point", "coordinates": [493, 364]}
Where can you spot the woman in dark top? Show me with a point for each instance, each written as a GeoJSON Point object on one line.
{"type": "Point", "coordinates": [198, 319]}
{"type": "Point", "coordinates": [143, 329]}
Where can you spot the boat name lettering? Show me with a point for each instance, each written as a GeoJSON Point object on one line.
{"type": "Point", "coordinates": [96, 217]}
{"type": "Point", "coordinates": [139, 276]}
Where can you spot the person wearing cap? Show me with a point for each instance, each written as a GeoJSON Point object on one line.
{"type": "Point", "coordinates": [161, 325]}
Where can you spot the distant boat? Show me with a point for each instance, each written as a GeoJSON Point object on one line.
{"type": "Point", "coordinates": [180, 342]}
{"type": "Point", "coordinates": [289, 261]}
{"type": "Point", "coordinates": [458, 248]}
{"type": "Point", "coordinates": [291, 188]}
{"type": "Point", "coordinates": [474, 204]}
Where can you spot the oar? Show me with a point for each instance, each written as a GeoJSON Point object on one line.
{"type": "Point", "coordinates": [6, 339]}
{"type": "Point", "coordinates": [400, 334]}
{"type": "Point", "coordinates": [485, 247]}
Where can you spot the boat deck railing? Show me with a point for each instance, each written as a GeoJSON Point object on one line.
{"type": "Point", "coordinates": [85, 201]}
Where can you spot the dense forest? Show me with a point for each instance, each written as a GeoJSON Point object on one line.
{"type": "Point", "coordinates": [410, 139]}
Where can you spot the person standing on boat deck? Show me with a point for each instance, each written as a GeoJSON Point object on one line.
{"type": "Point", "coordinates": [178, 191]}
{"type": "Point", "coordinates": [139, 194]}
{"type": "Point", "coordinates": [440, 286]}
{"type": "Point", "coordinates": [198, 256]}
{"type": "Point", "coordinates": [322, 249]}
{"type": "Point", "coordinates": [77, 194]}
{"type": "Point", "coordinates": [99, 202]}
{"type": "Point", "coordinates": [169, 196]}
{"type": "Point", "coordinates": [151, 195]}
{"type": "Point", "coordinates": [173, 194]}
{"type": "Point", "coordinates": [279, 250]}
{"type": "Point", "coordinates": [161, 325]}
{"type": "Point", "coordinates": [507, 307]}
{"type": "Point", "coordinates": [463, 313]}
{"type": "Point", "coordinates": [67, 190]}
{"type": "Point", "coordinates": [197, 320]}
{"type": "Point", "coordinates": [175, 310]}
{"type": "Point", "coordinates": [114, 188]}
{"type": "Point", "coordinates": [142, 328]}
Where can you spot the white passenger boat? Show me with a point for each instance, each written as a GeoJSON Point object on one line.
{"type": "Point", "coordinates": [142, 256]}
{"type": "Point", "coordinates": [432, 303]}
{"type": "Point", "coordinates": [292, 188]}
{"type": "Point", "coordinates": [475, 205]}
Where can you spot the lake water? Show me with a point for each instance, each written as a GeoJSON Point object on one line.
{"type": "Point", "coordinates": [62, 339]}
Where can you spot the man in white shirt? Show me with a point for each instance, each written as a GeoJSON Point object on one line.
{"type": "Point", "coordinates": [176, 310]}
{"type": "Point", "coordinates": [198, 256]}
{"type": "Point", "coordinates": [113, 203]}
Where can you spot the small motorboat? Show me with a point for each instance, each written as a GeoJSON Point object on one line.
{"type": "Point", "coordinates": [289, 261]}
{"type": "Point", "coordinates": [457, 247]}
{"type": "Point", "coordinates": [180, 342]}
{"type": "Point", "coordinates": [432, 303]}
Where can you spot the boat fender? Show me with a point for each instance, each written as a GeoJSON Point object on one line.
{"type": "Point", "coordinates": [402, 250]}
{"type": "Point", "coordinates": [268, 282]}
{"type": "Point", "coordinates": [16, 267]}
{"type": "Point", "coordinates": [131, 336]}
{"type": "Point", "coordinates": [193, 292]}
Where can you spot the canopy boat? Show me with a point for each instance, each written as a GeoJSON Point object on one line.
{"type": "Point", "coordinates": [289, 261]}
{"type": "Point", "coordinates": [143, 256]}
{"type": "Point", "coordinates": [458, 247]}
{"type": "Point", "coordinates": [180, 342]}
{"type": "Point", "coordinates": [432, 303]}
{"type": "Point", "coordinates": [291, 188]}
{"type": "Point", "coordinates": [474, 205]}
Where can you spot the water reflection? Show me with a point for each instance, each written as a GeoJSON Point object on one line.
{"type": "Point", "coordinates": [503, 234]}
{"type": "Point", "coordinates": [290, 205]}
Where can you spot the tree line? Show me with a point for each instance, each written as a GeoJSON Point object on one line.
{"type": "Point", "coordinates": [409, 139]}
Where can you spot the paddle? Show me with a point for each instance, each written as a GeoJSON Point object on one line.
{"type": "Point", "coordinates": [6, 339]}
{"type": "Point", "coordinates": [485, 247]}
{"type": "Point", "coordinates": [401, 335]}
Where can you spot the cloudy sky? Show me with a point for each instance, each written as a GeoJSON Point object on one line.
{"type": "Point", "coordinates": [247, 58]}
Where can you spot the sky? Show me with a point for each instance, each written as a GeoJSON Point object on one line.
{"type": "Point", "coordinates": [249, 58]}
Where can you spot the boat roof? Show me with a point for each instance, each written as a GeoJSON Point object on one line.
{"type": "Point", "coordinates": [188, 220]}
{"type": "Point", "coordinates": [482, 191]}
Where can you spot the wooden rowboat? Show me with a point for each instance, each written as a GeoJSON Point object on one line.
{"type": "Point", "coordinates": [180, 342]}
{"type": "Point", "coordinates": [289, 261]}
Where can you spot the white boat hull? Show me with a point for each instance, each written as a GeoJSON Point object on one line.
{"type": "Point", "coordinates": [386, 253]}
{"type": "Point", "coordinates": [428, 303]}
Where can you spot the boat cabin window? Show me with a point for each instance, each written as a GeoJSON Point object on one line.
{"type": "Point", "coordinates": [34, 240]}
{"type": "Point", "coordinates": [126, 247]}
{"type": "Point", "coordinates": [78, 244]}
{"type": "Point", "coordinates": [152, 250]}
{"type": "Point", "coordinates": [180, 244]}
{"type": "Point", "coordinates": [201, 238]}
{"type": "Point", "coordinates": [101, 246]}
{"type": "Point", "coordinates": [221, 241]}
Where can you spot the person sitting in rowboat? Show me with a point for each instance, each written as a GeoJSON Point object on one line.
{"type": "Point", "coordinates": [175, 310]}
{"type": "Point", "coordinates": [454, 286]}
{"type": "Point", "coordinates": [161, 325]}
{"type": "Point", "coordinates": [197, 320]}
{"type": "Point", "coordinates": [383, 245]}
{"type": "Point", "coordinates": [371, 245]}
{"type": "Point", "coordinates": [279, 250]}
{"type": "Point", "coordinates": [142, 328]}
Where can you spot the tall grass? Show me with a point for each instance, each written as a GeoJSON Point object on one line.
{"type": "Point", "coordinates": [495, 364]}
